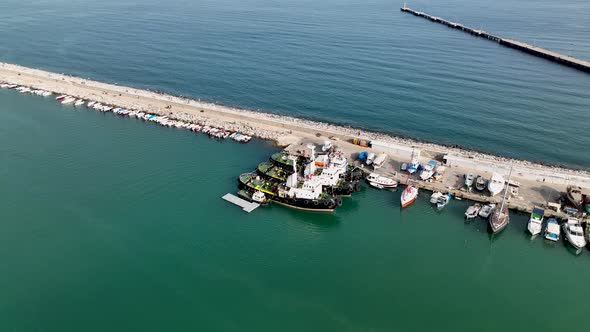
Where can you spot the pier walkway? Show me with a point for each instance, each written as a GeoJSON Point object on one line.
{"type": "Point", "coordinates": [245, 205]}
{"type": "Point", "coordinates": [524, 47]}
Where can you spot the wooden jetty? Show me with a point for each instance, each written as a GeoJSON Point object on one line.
{"type": "Point", "coordinates": [524, 47]}
{"type": "Point", "coordinates": [245, 205]}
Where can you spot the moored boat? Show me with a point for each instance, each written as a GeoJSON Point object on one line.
{"type": "Point", "coordinates": [552, 231]}
{"type": "Point", "coordinates": [486, 210]}
{"type": "Point", "coordinates": [443, 200]}
{"type": "Point", "coordinates": [435, 196]}
{"type": "Point", "coordinates": [500, 217]}
{"type": "Point", "coordinates": [535, 224]}
{"type": "Point", "coordinates": [409, 195]}
{"type": "Point", "coordinates": [382, 181]}
{"type": "Point", "coordinates": [79, 102]}
{"type": "Point", "coordinates": [68, 100]}
{"type": "Point", "coordinates": [473, 211]}
{"type": "Point", "coordinates": [574, 233]}
{"type": "Point", "coordinates": [61, 97]}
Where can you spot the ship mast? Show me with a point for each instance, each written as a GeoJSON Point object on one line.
{"type": "Point", "coordinates": [506, 189]}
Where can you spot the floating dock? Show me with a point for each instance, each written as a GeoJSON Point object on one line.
{"type": "Point", "coordinates": [524, 47]}
{"type": "Point", "coordinates": [245, 205]}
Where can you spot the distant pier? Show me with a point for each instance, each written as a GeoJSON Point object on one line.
{"type": "Point", "coordinates": [531, 49]}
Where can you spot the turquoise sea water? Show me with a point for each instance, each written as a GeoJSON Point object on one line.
{"type": "Point", "coordinates": [114, 224]}
{"type": "Point", "coordinates": [355, 62]}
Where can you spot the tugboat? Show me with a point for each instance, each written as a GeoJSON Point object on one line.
{"type": "Point", "coordinates": [307, 196]}
{"type": "Point", "coordinates": [254, 196]}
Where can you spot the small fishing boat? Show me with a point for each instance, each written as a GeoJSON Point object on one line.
{"type": "Point", "coordinates": [413, 166]}
{"type": "Point", "coordinates": [435, 196]}
{"type": "Point", "coordinates": [79, 102]}
{"type": "Point", "coordinates": [496, 184]}
{"type": "Point", "coordinates": [91, 103]}
{"type": "Point", "coordinates": [473, 211]}
{"type": "Point", "coordinates": [409, 195]}
{"type": "Point", "coordinates": [486, 210]}
{"type": "Point", "coordinates": [256, 196]}
{"type": "Point", "coordinates": [428, 170]}
{"type": "Point", "coordinates": [68, 100]}
{"type": "Point", "coordinates": [379, 161]}
{"type": "Point", "coordinates": [46, 93]}
{"type": "Point", "coordinates": [370, 159]}
{"type": "Point", "coordinates": [381, 182]}
{"type": "Point", "coordinates": [535, 224]}
{"type": "Point", "coordinates": [62, 97]}
{"type": "Point", "coordinates": [552, 231]}
{"type": "Point", "coordinates": [469, 177]}
{"type": "Point", "coordinates": [480, 183]}
{"type": "Point", "coordinates": [574, 195]}
{"type": "Point", "coordinates": [443, 200]}
{"type": "Point", "coordinates": [574, 233]}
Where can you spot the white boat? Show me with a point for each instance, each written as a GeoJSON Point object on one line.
{"type": "Point", "coordinates": [496, 184]}
{"type": "Point", "coordinates": [79, 102]}
{"type": "Point", "coordinates": [68, 100]}
{"type": "Point", "coordinates": [381, 180]}
{"type": "Point", "coordinates": [370, 158]}
{"type": "Point", "coordinates": [91, 103]}
{"type": "Point", "coordinates": [409, 195]}
{"type": "Point", "coordinates": [379, 161]}
{"type": "Point", "coordinates": [486, 210]}
{"type": "Point", "coordinates": [472, 211]}
{"type": "Point", "coordinates": [469, 177]}
{"type": "Point", "coordinates": [535, 225]}
{"type": "Point", "coordinates": [574, 233]}
{"type": "Point", "coordinates": [46, 93]}
{"type": "Point", "coordinates": [259, 197]}
{"type": "Point", "coordinates": [428, 170]}
{"type": "Point", "coordinates": [552, 231]}
{"type": "Point", "coordinates": [376, 185]}
{"type": "Point", "coordinates": [435, 196]}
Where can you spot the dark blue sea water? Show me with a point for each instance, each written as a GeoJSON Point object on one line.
{"type": "Point", "coordinates": [354, 62]}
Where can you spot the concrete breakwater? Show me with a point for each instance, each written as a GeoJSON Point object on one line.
{"type": "Point", "coordinates": [524, 47]}
{"type": "Point", "coordinates": [285, 130]}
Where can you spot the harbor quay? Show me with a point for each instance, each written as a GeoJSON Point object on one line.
{"type": "Point", "coordinates": [515, 44]}
{"type": "Point", "coordinates": [537, 185]}
{"type": "Point", "coordinates": [534, 187]}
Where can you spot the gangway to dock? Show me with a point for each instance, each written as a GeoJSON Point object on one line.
{"type": "Point", "coordinates": [245, 205]}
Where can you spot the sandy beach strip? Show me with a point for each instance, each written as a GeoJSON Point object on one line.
{"type": "Point", "coordinates": [284, 130]}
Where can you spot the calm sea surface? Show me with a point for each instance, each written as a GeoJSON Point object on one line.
{"type": "Point", "coordinates": [356, 62]}
{"type": "Point", "coordinates": [113, 224]}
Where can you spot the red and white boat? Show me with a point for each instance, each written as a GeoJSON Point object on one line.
{"type": "Point", "coordinates": [409, 195]}
{"type": "Point", "coordinates": [62, 97]}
